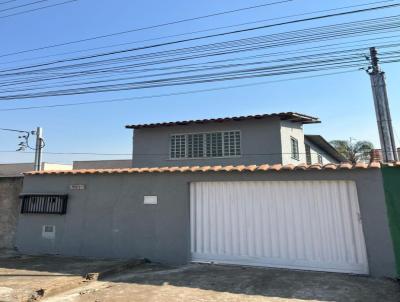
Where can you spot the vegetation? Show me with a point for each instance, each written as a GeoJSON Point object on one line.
{"type": "Point", "coordinates": [354, 151]}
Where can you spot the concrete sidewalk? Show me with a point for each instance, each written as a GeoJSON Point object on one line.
{"type": "Point", "coordinates": [61, 279]}
{"type": "Point", "coordinates": [24, 278]}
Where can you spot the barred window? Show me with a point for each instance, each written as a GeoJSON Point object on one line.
{"type": "Point", "coordinates": [232, 143]}
{"type": "Point", "coordinates": [294, 148]}
{"type": "Point", "coordinates": [320, 161]}
{"type": "Point", "coordinates": [214, 144]}
{"type": "Point", "coordinates": [44, 204]}
{"type": "Point", "coordinates": [178, 146]}
{"type": "Point", "coordinates": [201, 145]}
{"type": "Point", "coordinates": [195, 145]}
{"type": "Point", "coordinates": [308, 154]}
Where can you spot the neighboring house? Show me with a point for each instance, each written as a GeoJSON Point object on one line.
{"type": "Point", "coordinates": [17, 169]}
{"type": "Point", "coordinates": [318, 150]}
{"type": "Point", "coordinates": [376, 155]}
{"type": "Point", "coordinates": [255, 139]}
{"type": "Point", "coordinates": [102, 164]}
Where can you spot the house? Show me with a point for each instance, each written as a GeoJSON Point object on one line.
{"type": "Point", "coordinates": [325, 218]}
{"type": "Point", "coordinates": [17, 169]}
{"type": "Point", "coordinates": [255, 139]}
{"type": "Point", "coordinates": [232, 190]}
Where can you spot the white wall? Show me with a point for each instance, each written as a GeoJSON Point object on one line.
{"type": "Point", "coordinates": [288, 130]}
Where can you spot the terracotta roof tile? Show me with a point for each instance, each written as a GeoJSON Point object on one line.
{"type": "Point", "coordinates": [240, 168]}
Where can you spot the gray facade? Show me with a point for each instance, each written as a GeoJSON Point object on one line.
{"type": "Point", "coordinates": [109, 219]}
{"type": "Point", "coordinates": [102, 164]}
{"type": "Point", "coordinates": [265, 140]}
{"type": "Point", "coordinates": [10, 188]}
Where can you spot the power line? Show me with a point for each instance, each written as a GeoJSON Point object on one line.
{"type": "Point", "coordinates": [36, 9]}
{"type": "Point", "coordinates": [313, 34]}
{"type": "Point", "coordinates": [22, 5]}
{"type": "Point", "coordinates": [311, 66]}
{"type": "Point", "coordinates": [216, 35]}
{"type": "Point", "coordinates": [147, 27]}
{"type": "Point", "coordinates": [172, 94]}
{"type": "Point", "coordinates": [5, 2]}
{"type": "Point", "coordinates": [201, 31]}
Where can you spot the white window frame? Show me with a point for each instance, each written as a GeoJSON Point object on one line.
{"type": "Point", "coordinates": [204, 145]}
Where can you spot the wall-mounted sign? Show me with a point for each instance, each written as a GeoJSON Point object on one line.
{"type": "Point", "coordinates": [77, 187]}
{"type": "Point", "coordinates": [150, 200]}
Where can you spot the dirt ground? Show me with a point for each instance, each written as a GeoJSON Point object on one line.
{"type": "Point", "coordinates": [20, 277]}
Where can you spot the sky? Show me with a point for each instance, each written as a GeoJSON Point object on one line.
{"type": "Point", "coordinates": [343, 102]}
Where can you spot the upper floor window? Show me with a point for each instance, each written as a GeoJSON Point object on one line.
{"type": "Point", "coordinates": [178, 146]}
{"type": "Point", "coordinates": [200, 145]}
{"type": "Point", "coordinates": [320, 161]}
{"type": "Point", "coordinates": [294, 143]}
{"type": "Point", "coordinates": [308, 154]}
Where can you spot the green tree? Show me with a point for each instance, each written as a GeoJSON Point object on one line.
{"type": "Point", "coordinates": [354, 151]}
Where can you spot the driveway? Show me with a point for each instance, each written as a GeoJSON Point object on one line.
{"type": "Point", "coordinates": [218, 283]}
{"type": "Point", "coordinates": [61, 279]}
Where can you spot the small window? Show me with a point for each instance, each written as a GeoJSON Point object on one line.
{"type": "Point", "coordinates": [320, 161]}
{"type": "Point", "coordinates": [44, 204]}
{"type": "Point", "coordinates": [178, 146]}
{"type": "Point", "coordinates": [294, 148]}
{"type": "Point", "coordinates": [308, 154]}
{"type": "Point", "coordinates": [214, 144]}
{"type": "Point", "coordinates": [195, 145]}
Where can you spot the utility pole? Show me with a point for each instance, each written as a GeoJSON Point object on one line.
{"type": "Point", "coordinates": [38, 149]}
{"type": "Point", "coordinates": [383, 117]}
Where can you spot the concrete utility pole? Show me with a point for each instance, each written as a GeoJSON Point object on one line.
{"type": "Point", "coordinates": [383, 117]}
{"type": "Point", "coordinates": [38, 149]}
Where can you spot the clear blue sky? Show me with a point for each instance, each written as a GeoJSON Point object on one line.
{"type": "Point", "coordinates": [343, 102]}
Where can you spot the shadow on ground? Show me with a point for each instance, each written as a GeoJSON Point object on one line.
{"type": "Point", "coordinates": [267, 282]}
{"type": "Point", "coordinates": [211, 280]}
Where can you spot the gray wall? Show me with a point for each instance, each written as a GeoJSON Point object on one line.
{"type": "Point", "coordinates": [102, 164]}
{"type": "Point", "coordinates": [10, 188]}
{"type": "Point", "coordinates": [109, 219]}
{"type": "Point", "coordinates": [261, 143]}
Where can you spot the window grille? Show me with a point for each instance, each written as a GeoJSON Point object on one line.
{"type": "Point", "coordinates": [195, 145]}
{"type": "Point", "coordinates": [202, 145]}
{"type": "Point", "coordinates": [295, 148]}
{"type": "Point", "coordinates": [44, 204]}
{"type": "Point", "coordinates": [308, 154]}
{"type": "Point", "coordinates": [178, 146]}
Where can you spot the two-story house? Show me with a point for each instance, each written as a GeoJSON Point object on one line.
{"type": "Point", "coordinates": [255, 139]}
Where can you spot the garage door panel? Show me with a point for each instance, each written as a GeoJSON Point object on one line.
{"type": "Point", "coordinates": [304, 224]}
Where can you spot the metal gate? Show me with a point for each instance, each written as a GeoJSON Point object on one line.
{"type": "Point", "coordinates": [312, 225]}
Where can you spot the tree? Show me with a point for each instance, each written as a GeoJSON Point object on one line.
{"type": "Point", "coordinates": [354, 151]}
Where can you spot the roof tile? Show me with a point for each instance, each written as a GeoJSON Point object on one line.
{"type": "Point", "coordinates": [295, 116]}
{"type": "Point", "coordinates": [229, 168]}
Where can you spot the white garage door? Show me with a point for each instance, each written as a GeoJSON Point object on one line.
{"type": "Point", "coordinates": [312, 225]}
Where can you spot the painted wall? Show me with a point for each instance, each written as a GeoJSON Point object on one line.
{"type": "Point", "coordinates": [102, 164]}
{"type": "Point", "coordinates": [10, 188]}
{"type": "Point", "coordinates": [315, 150]}
{"type": "Point", "coordinates": [294, 130]}
{"type": "Point", "coordinates": [260, 143]}
{"type": "Point", "coordinates": [109, 219]}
